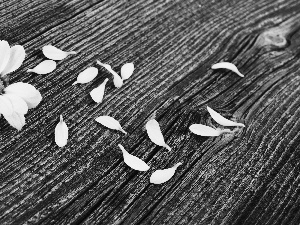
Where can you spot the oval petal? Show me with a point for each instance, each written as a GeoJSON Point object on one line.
{"type": "Point", "coordinates": [6, 107]}
{"type": "Point", "coordinates": [17, 56]}
{"type": "Point", "coordinates": [118, 82]}
{"type": "Point", "coordinates": [54, 53]}
{"type": "Point", "coordinates": [155, 134]}
{"type": "Point", "coordinates": [61, 133]}
{"type": "Point", "coordinates": [18, 104]}
{"type": "Point", "coordinates": [222, 120]}
{"type": "Point", "coordinates": [16, 120]}
{"type": "Point", "coordinates": [161, 176]}
{"type": "Point", "coordinates": [227, 65]}
{"type": "Point", "coordinates": [47, 66]}
{"type": "Point", "coordinates": [98, 93]}
{"type": "Point", "coordinates": [110, 122]}
{"type": "Point", "coordinates": [203, 130]}
{"type": "Point", "coordinates": [133, 161]}
{"type": "Point", "coordinates": [87, 75]}
{"type": "Point", "coordinates": [4, 54]}
{"type": "Point", "coordinates": [127, 70]}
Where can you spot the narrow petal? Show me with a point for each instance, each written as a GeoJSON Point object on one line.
{"type": "Point", "coordinates": [155, 134]}
{"type": "Point", "coordinates": [110, 123]}
{"type": "Point", "coordinates": [26, 91]}
{"type": "Point", "coordinates": [133, 161]}
{"type": "Point", "coordinates": [98, 93]}
{"type": "Point", "coordinates": [18, 104]}
{"type": "Point", "coordinates": [118, 82]}
{"type": "Point", "coordinates": [17, 56]}
{"type": "Point", "coordinates": [4, 54]}
{"type": "Point", "coordinates": [6, 107]}
{"type": "Point", "coordinates": [16, 120]}
{"type": "Point", "coordinates": [227, 65]}
{"type": "Point", "coordinates": [222, 120]}
{"type": "Point", "coordinates": [161, 176]}
{"type": "Point", "coordinates": [54, 53]}
{"type": "Point", "coordinates": [87, 75]}
{"type": "Point", "coordinates": [47, 66]}
{"type": "Point", "coordinates": [61, 133]}
{"type": "Point", "coordinates": [127, 70]}
{"type": "Point", "coordinates": [207, 131]}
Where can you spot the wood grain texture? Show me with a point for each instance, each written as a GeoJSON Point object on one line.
{"type": "Point", "coordinates": [249, 177]}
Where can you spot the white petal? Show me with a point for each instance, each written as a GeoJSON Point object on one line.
{"type": "Point", "coordinates": [16, 120]}
{"type": "Point", "coordinates": [18, 104]}
{"type": "Point", "coordinates": [61, 133]}
{"type": "Point", "coordinates": [227, 65]}
{"type": "Point", "coordinates": [155, 135]}
{"type": "Point", "coordinates": [127, 70]}
{"type": "Point", "coordinates": [17, 56]}
{"type": "Point", "coordinates": [86, 76]}
{"type": "Point", "coordinates": [133, 161]}
{"type": "Point", "coordinates": [4, 54]}
{"type": "Point", "coordinates": [98, 93]}
{"type": "Point", "coordinates": [161, 176]}
{"type": "Point", "coordinates": [54, 53]}
{"type": "Point", "coordinates": [207, 131]}
{"type": "Point", "coordinates": [6, 107]}
{"type": "Point", "coordinates": [222, 120]}
{"type": "Point", "coordinates": [44, 67]}
{"type": "Point", "coordinates": [110, 122]}
{"type": "Point", "coordinates": [118, 82]}
{"type": "Point", "coordinates": [26, 91]}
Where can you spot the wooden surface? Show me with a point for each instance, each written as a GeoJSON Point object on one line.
{"type": "Point", "coordinates": [249, 177]}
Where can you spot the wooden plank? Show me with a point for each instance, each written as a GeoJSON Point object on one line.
{"type": "Point", "coordinates": [251, 177]}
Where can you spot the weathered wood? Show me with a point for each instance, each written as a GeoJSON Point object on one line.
{"type": "Point", "coordinates": [250, 177]}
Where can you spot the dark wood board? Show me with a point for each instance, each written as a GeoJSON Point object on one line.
{"type": "Point", "coordinates": [248, 177]}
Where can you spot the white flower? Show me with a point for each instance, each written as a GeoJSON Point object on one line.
{"type": "Point", "coordinates": [17, 98]}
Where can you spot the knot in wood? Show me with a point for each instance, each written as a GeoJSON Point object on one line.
{"type": "Point", "coordinates": [272, 37]}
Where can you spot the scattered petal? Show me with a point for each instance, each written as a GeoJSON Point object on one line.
{"type": "Point", "coordinates": [118, 82]}
{"type": "Point", "coordinates": [26, 91]}
{"type": "Point", "coordinates": [44, 67]}
{"type": "Point", "coordinates": [110, 122]}
{"type": "Point", "coordinates": [18, 104]}
{"type": "Point", "coordinates": [98, 93]}
{"type": "Point", "coordinates": [161, 176]}
{"type": "Point", "coordinates": [16, 120]}
{"type": "Point", "coordinates": [6, 107]}
{"type": "Point", "coordinates": [87, 75]}
{"type": "Point", "coordinates": [17, 56]}
{"type": "Point", "coordinates": [133, 161]}
{"type": "Point", "coordinates": [4, 54]}
{"type": "Point", "coordinates": [127, 70]}
{"type": "Point", "coordinates": [222, 120]}
{"type": "Point", "coordinates": [207, 131]}
{"type": "Point", "coordinates": [227, 65]}
{"type": "Point", "coordinates": [54, 53]}
{"type": "Point", "coordinates": [61, 133]}
{"type": "Point", "coordinates": [155, 134]}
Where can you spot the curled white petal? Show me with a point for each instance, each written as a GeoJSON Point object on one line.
{"type": "Point", "coordinates": [17, 56]}
{"type": "Point", "coordinates": [87, 75]}
{"type": "Point", "coordinates": [118, 82]}
{"type": "Point", "coordinates": [155, 134]}
{"type": "Point", "coordinates": [222, 120]}
{"type": "Point", "coordinates": [6, 107]}
{"type": "Point", "coordinates": [207, 131]}
{"type": "Point", "coordinates": [61, 133]}
{"type": "Point", "coordinates": [161, 176]}
{"type": "Point", "coordinates": [227, 65]}
{"type": "Point", "coordinates": [54, 53]}
{"type": "Point", "coordinates": [26, 91]}
{"type": "Point", "coordinates": [110, 123]}
{"type": "Point", "coordinates": [133, 161]}
{"type": "Point", "coordinates": [16, 120]}
{"type": "Point", "coordinates": [47, 66]}
{"type": "Point", "coordinates": [98, 93]}
{"type": "Point", "coordinates": [18, 104]}
{"type": "Point", "coordinates": [127, 70]}
{"type": "Point", "coordinates": [4, 54]}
